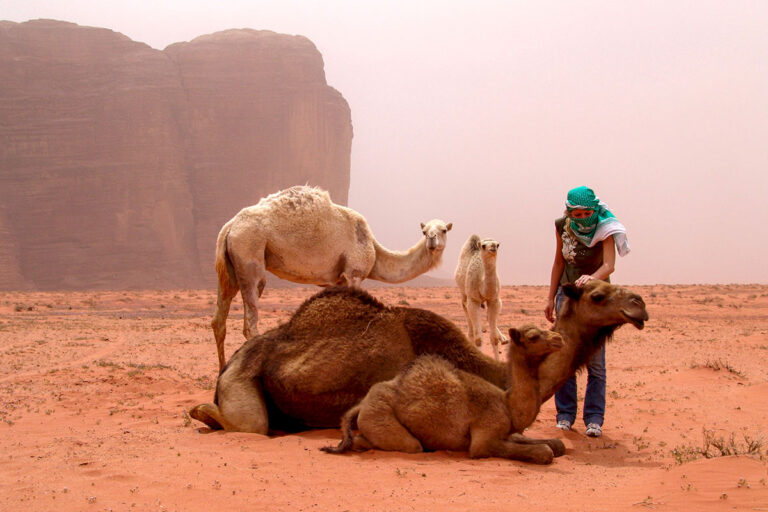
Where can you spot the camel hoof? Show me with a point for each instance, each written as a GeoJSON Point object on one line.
{"type": "Point", "coordinates": [500, 339]}
{"type": "Point", "coordinates": [557, 447]}
{"type": "Point", "coordinates": [546, 456]}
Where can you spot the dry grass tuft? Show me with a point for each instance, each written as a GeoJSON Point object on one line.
{"type": "Point", "coordinates": [718, 365]}
{"type": "Point", "coordinates": [714, 446]}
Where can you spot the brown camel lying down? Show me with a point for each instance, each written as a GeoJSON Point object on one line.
{"type": "Point", "coordinates": [307, 372]}
{"type": "Point", "coordinates": [432, 405]}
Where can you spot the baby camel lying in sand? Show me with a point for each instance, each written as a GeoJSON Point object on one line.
{"type": "Point", "coordinates": [432, 405]}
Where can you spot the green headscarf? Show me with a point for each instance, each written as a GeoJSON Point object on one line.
{"type": "Point", "coordinates": [584, 198]}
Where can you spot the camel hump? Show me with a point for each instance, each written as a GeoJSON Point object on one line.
{"type": "Point", "coordinates": [472, 245]}
{"type": "Point", "coordinates": [299, 197]}
{"type": "Point", "coordinates": [429, 364]}
{"type": "Point", "coordinates": [344, 295]}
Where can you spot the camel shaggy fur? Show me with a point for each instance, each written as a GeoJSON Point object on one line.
{"type": "Point", "coordinates": [479, 286]}
{"type": "Point", "coordinates": [310, 370]}
{"type": "Point", "coordinates": [431, 405]}
{"type": "Point", "coordinates": [300, 235]}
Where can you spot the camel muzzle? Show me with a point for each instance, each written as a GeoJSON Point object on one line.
{"type": "Point", "coordinates": [434, 245]}
{"type": "Point", "coordinates": [636, 317]}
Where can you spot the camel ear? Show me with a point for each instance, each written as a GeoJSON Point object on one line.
{"type": "Point", "coordinates": [514, 335]}
{"type": "Point", "coordinates": [449, 226]}
{"type": "Point", "coordinates": [572, 291]}
{"type": "Point", "coordinates": [422, 226]}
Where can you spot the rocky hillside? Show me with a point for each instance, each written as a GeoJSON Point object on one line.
{"type": "Point", "coordinates": [119, 163]}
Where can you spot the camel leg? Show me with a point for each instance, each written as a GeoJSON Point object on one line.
{"type": "Point", "coordinates": [470, 330]}
{"type": "Point", "coordinates": [557, 446]}
{"type": "Point", "coordinates": [489, 438]}
{"type": "Point", "coordinates": [475, 320]}
{"type": "Point", "coordinates": [240, 408]}
{"type": "Point", "coordinates": [536, 453]}
{"type": "Point", "coordinates": [494, 307]}
{"type": "Point", "coordinates": [251, 278]}
{"type": "Point", "coordinates": [350, 278]}
{"type": "Point", "coordinates": [379, 425]}
{"type": "Point", "coordinates": [219, 322]}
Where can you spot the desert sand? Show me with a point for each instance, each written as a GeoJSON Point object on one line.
{"type": "Point", "coordinates": [95, 387]}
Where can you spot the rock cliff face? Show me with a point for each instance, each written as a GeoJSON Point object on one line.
{"type": "Point", "coordinates": [119, 163]}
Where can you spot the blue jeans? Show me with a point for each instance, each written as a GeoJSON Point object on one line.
{"type": "Point", "coordinates": [594, 397]}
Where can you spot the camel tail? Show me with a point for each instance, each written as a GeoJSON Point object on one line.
{"type": "Point", "coordinates": [227, 289]}
{"type": "Point", "coordinates": [348, 423]}
{"type": "Point", "coordinates": [223, 264]}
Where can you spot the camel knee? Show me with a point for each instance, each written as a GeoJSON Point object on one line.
{"type": "Point", "coordinates": [378, 423]}
{"type": "Point", "coordinates": [249, 423]}
{"type": "Point", "coordinates": [241, 405]}
{"type": "Point", "coordinates": [251, 312]}
{"type": "Point", "coordinates": [260, 286]}
{"type": "Point", "coordinates": [207, 413]}
{"type": "Point", "coordinates": [480, 446]}
{"type": "Point", "coordinates": [216, 419]}
{"type": "Point", "coordinates": [395, 439]}
{"type": "Point", "coordinates": [360, 443]}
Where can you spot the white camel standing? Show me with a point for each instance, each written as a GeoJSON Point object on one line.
{"type": "Point", "coordinates": [300, 235]}
{"type": "Point", "coordinates": [479, 285]}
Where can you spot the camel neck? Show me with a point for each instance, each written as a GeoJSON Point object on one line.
{"type": "Point", "coordinates": [579, 343]}
{"type": "Point", "coordinates": [522, 394]}
{"type": "Point", "coordinates": [400, 266]}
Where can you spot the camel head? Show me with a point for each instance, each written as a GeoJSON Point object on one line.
{"type": "Point", "coordinates": [490, 247]}
{"type": "Point", "coordinates": [599, 304]}
{"type": "Point", "coordinates": [535, 342]}
{"type": "Point", "coordinates": [435, 233]}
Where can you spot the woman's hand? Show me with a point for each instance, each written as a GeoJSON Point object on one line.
{"type": "Point", "coordinates": [549, 311]}
{"type": "Point", "coordinates": [582, 280]}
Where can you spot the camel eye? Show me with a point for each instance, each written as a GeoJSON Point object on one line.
{"type": "Point", "coordinates": [445, 231]}
{"type": "Point", "coordinates": [598, 297]}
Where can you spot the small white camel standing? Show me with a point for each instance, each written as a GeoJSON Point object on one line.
{"type": "Point", "coordinates": [300, 235]}
{"type": "Point", "coordinates": [479, 285]}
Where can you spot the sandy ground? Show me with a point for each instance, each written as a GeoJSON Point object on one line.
{"type": "Point", "coordinates": [95, 387]}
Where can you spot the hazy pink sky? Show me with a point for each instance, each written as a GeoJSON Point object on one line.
{"type": "Point", "coordinates": [485, 113]}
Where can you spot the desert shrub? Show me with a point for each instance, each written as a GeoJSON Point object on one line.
{"type": "Point", "coordinates": [714, 446]}
{"type": "Point", "coordinates": [718, 365]}
{"type": "Point", "coordinates": [720, 446]}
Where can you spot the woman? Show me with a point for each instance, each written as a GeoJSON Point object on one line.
{"type": "Point", "coordinates": [588, 237]}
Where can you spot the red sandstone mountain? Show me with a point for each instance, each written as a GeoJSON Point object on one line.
{"type": "Point", "coordinates": [119, 163]}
